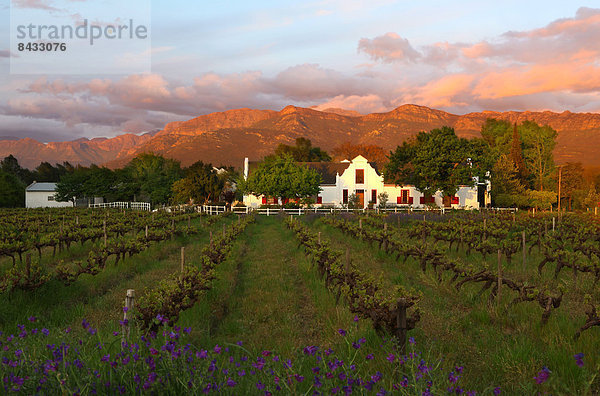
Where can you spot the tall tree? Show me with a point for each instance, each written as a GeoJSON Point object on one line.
{"type": "Point", "coordinates": [539, 143]}
{"type": "Point", "coordinates": [571, 180]}
{"type": "Point", "coordinates": [12, 192]}
{"type": "Point", "coordinates": [516, 154]}
{"type": "Point", "coordinates": [282, 177]}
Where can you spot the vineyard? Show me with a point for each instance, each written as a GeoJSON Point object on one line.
{"type": "Point", "coordinates": [404, 303]}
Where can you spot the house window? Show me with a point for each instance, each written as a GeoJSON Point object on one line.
{"type": "Point", "coordinates": [374, 196]}
{"type": "Point", "coordinates": [319, 200]}
{"type": "Point", "coordinates": [345, 196]}
{"type": "Point", "coordinates": [50, 197]}
{"type": "Point", "coordinates": [404, 195]}
{"type": "Point", "coordinates": [360, 176]}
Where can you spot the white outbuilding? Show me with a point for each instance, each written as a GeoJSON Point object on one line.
{"type": "Point", "coordinates": [41, 195]}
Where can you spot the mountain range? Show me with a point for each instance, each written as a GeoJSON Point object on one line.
{"type": "Point", "coordinates": [225, 138]}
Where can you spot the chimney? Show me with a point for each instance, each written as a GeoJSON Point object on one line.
{"type": "Point", "coordinates": [246, 168]}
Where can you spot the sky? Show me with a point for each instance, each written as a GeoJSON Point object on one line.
{"type": "Point", "coordinates": [205, 56]}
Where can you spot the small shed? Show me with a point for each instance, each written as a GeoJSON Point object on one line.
{"type": "Point", "coordinates": [41, 195]}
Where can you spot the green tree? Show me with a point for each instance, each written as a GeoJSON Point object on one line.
{"type": "Point", "coordinates": [539, 143]}
{"type": "Point", "coordinates": [571, 180]}
{"type": "Point", "coordinates": [303, 151]}
{"type": "Point", "coordinates": [282, 177]}
{"type": "Point", "coordinates": [154, 176]}
{"type": "Point", "coordinates": [438, 160]}
{"type": "Point", "coordinates": [71, 186]}
{"type": "Point", "coordinates": [507, 190]}
{"type": "Point", "coordinates": [516, 154]}
{"type": "Point", "coordinates": [12, 193]}
{"type": "Point", "coordinates": [200, 185]}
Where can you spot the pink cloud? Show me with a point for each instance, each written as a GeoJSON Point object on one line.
{"type": "Point", "coordinates": [388, 48]}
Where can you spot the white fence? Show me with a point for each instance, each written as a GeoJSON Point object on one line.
{"type": "Point", "coordinates": [123, 205]}
{"type": "Point", "coordinates": [213, 210]}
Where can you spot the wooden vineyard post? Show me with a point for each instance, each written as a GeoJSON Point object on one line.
{"type": "Point", "coordinates": [596, 211]}
{"type": "Point", "coordinates": [182, 258]}
{"type": "Point", "coordinates": [104, 229]}
{"type": "Point", "coordinates": [553, 223]}
{"type": "Point", "coordinates": [499, 275]}
{"type": "Point", "coordinates": [385, 237]}
{"type": "Point", "coordinates": [524, 251]}
{"type": "Point", "coordinates": [146, 231]}
{"type": "Point", "coordinates": [189, 221]}
{"type": "Point", "coordinates": [401, 325]}
{"type": "Point", "coordinates": [28, 266]}
{"type": "Point", "coordinates": [484, 229]}
{"type": "Point", "coordinates": [347, 264]}
{"type": "Point", "coordinates": [319, 237]}
{"type": "Point", "coordinates": [360, 223]}
{"type": "Point", "coordinates": [129, 302]}
{"type": "Point", "coordinates": [77, 220]}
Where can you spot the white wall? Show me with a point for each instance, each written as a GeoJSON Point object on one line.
{"type": "Point", "coordinates": [39, 199]}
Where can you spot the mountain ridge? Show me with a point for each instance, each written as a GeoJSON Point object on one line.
{"type": "Point", "coordinates": [225, 138]}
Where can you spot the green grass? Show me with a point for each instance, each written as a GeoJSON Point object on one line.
{"type": "Point", "coordinates": [499, 345]}
{"type": "Point", "coordinates": [268, 295]}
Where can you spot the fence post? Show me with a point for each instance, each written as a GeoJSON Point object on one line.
{"type": "Point", "coordinates": [596, 211]}
{"type": "Point", "coordinates": [129, 303]}
{"type": "Point", "coordinates": [553, 223]}
{"type": "Point", "coordinates": [267, 211]}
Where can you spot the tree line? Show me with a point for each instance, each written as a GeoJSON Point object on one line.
{"type": "Point", "coordinates": [517, 159]}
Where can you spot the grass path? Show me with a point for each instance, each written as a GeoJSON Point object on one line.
{"type": "Point", "coordinates": [268, 295]}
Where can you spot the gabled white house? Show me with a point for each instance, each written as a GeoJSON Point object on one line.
{"type": "Point", "coordinates": [41, 195]}
{"type": "Point", "coordinates": [360, 177]}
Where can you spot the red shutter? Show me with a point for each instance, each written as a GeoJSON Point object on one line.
{"type": "Point", "coordinates": [410, 200]}
{"type": "Point", "coordinates": [319, 200]}
{"type": "Point", "coordinates": [432, 199]}
{"type": "Point", "coordinates": [275, 200]}
{"type": "Point", "coordinates": [264, 200]}
{"type": "Point", "coordinates": [422, 200]}
{"type": "Point", "coordinates": [399, 200]}
{"type": "Point", "coordinates": [455, 200]}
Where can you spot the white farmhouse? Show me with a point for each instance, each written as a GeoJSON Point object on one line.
{"type": "Point", "coordinates": [41, 195]}
{"type": "Point", "coordinates": [342, 179]}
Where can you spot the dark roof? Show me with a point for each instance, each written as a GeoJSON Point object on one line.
{"type": "Point", "coordinates": [45, 187]}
